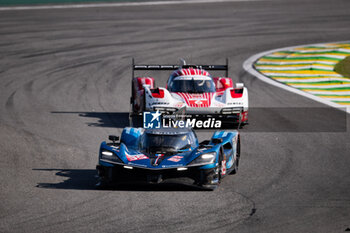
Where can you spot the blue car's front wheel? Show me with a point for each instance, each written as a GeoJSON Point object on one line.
{"type": "Point", "coordinates": [212, 177]}
{"type": "Point", "coordinates": [104, 177]}
{"type": "Point", "coordinates": [238, 155]}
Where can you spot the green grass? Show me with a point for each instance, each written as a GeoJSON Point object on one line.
{"type": "Point", "coordinates": [343, 67]}
{"type": "Point", "coordinates": [302, 58]}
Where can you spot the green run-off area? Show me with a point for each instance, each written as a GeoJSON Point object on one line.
{"type": "Point", "coordinates": [343, 67]}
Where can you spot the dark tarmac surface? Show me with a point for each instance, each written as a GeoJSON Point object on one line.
{"type": "Point", "coordinates": [65, 86]}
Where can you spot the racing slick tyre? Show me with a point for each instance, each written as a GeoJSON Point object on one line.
{"type": "Point", "coordinates": [238, 154]}
{"type": "Point", "coordinates": [222, 164]}
{"type": "Point", "coordinates": [214, 178]}
{"type": "Point", "coordinates": [103, 178]}
{"type": "Point", "coordinates": [103, 184]}
{"type": "Point", "coordinates": [144, 102]}
{"type": "Point", "coordinates": [132, 99]}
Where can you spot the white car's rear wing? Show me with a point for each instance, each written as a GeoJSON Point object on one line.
{"type": "Point", "coordinates": [175, 67]}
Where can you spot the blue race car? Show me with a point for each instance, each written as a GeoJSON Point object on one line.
{"type": "Point", "coordinates": [154, 155]}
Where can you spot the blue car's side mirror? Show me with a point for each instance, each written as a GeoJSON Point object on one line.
{"type": "Point", "coordinates": [113, 138]}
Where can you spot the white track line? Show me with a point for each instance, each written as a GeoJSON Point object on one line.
{"type": "Point", "coordinates": [248, 66]}
{"type": "Point", "coordinates": [116, 4]}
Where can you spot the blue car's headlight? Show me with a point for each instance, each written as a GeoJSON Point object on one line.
{"type": "Point", "coordinates": [109, 155]}
{"type": "Point", "coordinates": [206, 158]}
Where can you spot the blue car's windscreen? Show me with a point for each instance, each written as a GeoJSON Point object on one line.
{"type": "Point", "coordinates": [154, 143]}
{"type": "Point", "coordinates": [192, 86]}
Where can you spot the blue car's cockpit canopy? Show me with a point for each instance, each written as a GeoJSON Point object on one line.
{"type": "Point", "coordinates": [160, 141]}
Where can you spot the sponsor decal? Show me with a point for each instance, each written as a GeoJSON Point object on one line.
{"type": "Point", "coordinates": [235, 103]}
{"type": "Point", "coordinates": [175, 165]}
{"type": "Point", "coordinates": [223, 168]}
{"type": "Point", "coordinates": [135, 157]}
{"type": "Point", "coordinates": [137, 165]}
{"type": "Point", "coordinates": [159, 103]}
{"type": "Point", "coordinates": [175, 158]}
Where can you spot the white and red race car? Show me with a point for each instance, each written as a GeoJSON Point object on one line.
{"type": "Point", "coordinates": [191, 90]}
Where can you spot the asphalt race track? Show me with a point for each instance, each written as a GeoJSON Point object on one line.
{"type": "Point", "coordinates": [65, 86]}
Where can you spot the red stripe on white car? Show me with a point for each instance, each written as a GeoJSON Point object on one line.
{"type": "Point", "coordinates": [190, 71]}
{"type": "Point", "coordinates": [197, 100]}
